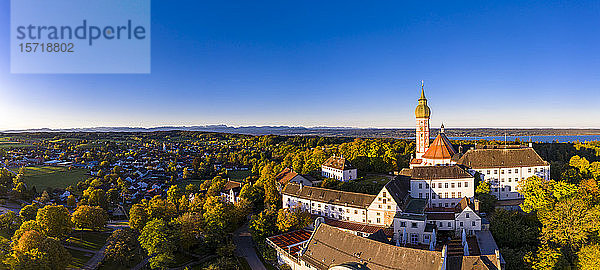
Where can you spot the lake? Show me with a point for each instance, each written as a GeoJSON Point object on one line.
{"type": "Point", "coordinates": [539, 138]}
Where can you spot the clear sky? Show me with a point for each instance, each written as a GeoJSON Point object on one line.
{"type": "Point", "coordinates": [334, 63]}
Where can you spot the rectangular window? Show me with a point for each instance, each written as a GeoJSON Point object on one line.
{"type": "Point", "coordinates": [473, 223]}
{"type": "Point", "coordinates": [420, 195]}
{"type": "Point", "coordinates": [384, 194]}
{"type": "Point", "coordinates": [461, 223]}
{"type": "Point", "coordinates": [459, 194]}
{"type": "Point", "coordinates": [466, 184]}
{"type": "Point", "coordinates": [414, 225]}
{"type": "Point", "coordinates": [378, 220]}
{"type": "Point", "coordinates": [488, 171]}
{"type": "Point", "coordinates": [509, 170]}
{"type": "Point", "coordinates": [420, 185]}
{"type": "Point", "coordinates": [384, 201]}
{"type": "Point", "coordinates": [439, 185]}
{"type": "Point", "coordinates": [495, 171]}
{"type": "Point", "coordinates": [446, 185]}
{"type": "Point", "coordinates": [453, 195]}
{"type": "Point", "coordinates": [501, 171]}
{"type": "Point", "coordinates": [445, 194]}
{"type": "Point", "coordinates": [459, 184]}
{"type": "Point", "coordinates": [402, 223]}
{"type": "Point", "coordinates": [467, 215]}
{"type": "Point", "coordinates": [452, 185]}
{"type": "Point", "coordinates": [516, 170]}
{"type": "Point", "coordinates": [529, 170]}
{"type": "Point", "coordinates": [449, 224]}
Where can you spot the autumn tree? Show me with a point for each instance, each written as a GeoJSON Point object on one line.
{"type": "Point", "coordinates": [138, 216]}
{"type": "Point", "coordinates": [292, 219]}
{"type": "Point", "coordinates": [123, 247]}
{"type": "Point", "coordinates": [54, 221]}
{"type": "Point", "coordinates": [89, 217]}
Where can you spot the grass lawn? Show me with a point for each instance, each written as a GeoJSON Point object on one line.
{"type": "Point", "coordinates": [54, 177]}
{"type": "Point", "coordinates": [87, 239]}
{"type": "Point", "coordinates": [79, 258]}
{"type": "Point", "coordinates": [370, 184]}
{"type": "Point", "coordinates": [239, 175]}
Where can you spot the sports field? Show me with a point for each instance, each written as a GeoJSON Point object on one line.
{"type": "Point", "coordinates": [55, 177]}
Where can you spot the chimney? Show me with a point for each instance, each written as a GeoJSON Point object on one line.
{"type": "Point", "coordinates": [476, 204]}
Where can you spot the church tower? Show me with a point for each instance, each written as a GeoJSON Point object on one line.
{"type": "Point", "coordinates": [422, 113]}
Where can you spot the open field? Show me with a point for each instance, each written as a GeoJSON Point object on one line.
{"type": "Point", "coordinates": [87, 239]}
{"type": "Point", "coordinates": [54, 177]}
{"type": "Point", "coordinates": [239, 175]}
{"type": "Point", "coordinates": [8, 145]}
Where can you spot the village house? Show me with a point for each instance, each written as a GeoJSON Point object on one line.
{"type": "Point", "coordinates": [231, 191]}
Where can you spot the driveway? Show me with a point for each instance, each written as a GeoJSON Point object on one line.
{"type": "Point", "coordinates": [244, 248]}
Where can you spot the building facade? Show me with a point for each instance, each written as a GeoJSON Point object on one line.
{"type": "Point", "coordinates": [504, 167]}
{"type": "Point", "coordinates": [339, 168]}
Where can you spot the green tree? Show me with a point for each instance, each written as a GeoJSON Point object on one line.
{"type": "Point", "coordinates": [263, 225]}
{"type": "Point", "coordinates": [71, 201]}
{"type": "Point", "coordinates": [138, 217]}
{"type": "Point", "coordinates": [9, 223]}
{"type": "Point", "coordinates": [98, 198]}
{"type": "Point", "coordinates": [54, 221]}
{"type": "Point", "coordinates": [123, 247]}
{"type": "Point", "coordinates": [159, 240]}
{"type": "Point", "coordinates": [89, 217]}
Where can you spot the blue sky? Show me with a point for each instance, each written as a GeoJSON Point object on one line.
{"type": "Point", "coordinates": [334, 63]}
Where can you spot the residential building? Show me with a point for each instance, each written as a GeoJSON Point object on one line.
{"type": "Point", "coordinates": [231, 191]}
{"type": "Point", "coordinates": [441, 186]}
{"type": "Point", "coordinates": [504, 167]}
{"type": "Point", "coordinates": [338, 168]}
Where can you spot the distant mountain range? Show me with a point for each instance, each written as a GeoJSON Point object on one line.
{"type": "Point", "coordinates": [330, 131]}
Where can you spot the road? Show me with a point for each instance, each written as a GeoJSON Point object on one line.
{"type": "Point", "coordinates": [244, 248]}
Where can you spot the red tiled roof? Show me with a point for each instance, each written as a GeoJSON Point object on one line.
{"type": "Point", "coordinates": [285, 176]}
{"type": "Point", "coordinates": [339, 163]}
{"type": "Point", "coordinates": [290, 239]}
{"type": "Point", "coordinates": [440, 148]}
{"type": "Point", "coordinates": [231, 185]}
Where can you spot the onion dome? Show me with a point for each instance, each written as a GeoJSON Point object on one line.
{"type": "Point", "coordinates": [422, 110]}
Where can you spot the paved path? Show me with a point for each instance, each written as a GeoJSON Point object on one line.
{"type": "Point", "coordinates": [244, 248]}
{"type": "Point", "coordinates": [141, 264]}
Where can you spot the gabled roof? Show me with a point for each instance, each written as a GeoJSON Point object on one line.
{"type": "Point", "coordinates": [330, 246]}
{"type": "Point", "coordinates": [339, 163]}
{"type": "Point", "coordinates": [231, 185]}
{"type": "Point", "coordinates": [464, 203]}
{"type": "Point", "coordinates": [330, 196]}
{"type": "Point", "coordinates": [438, 172]}
{"type": "Point", "coordinates": [440, 148]}
{"type": "Point", "coordinates": [399, 188]}
{"type": "Point", "coordinates": [501, 158]}
{"type": "Point", "coordinates": [285, 176]}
